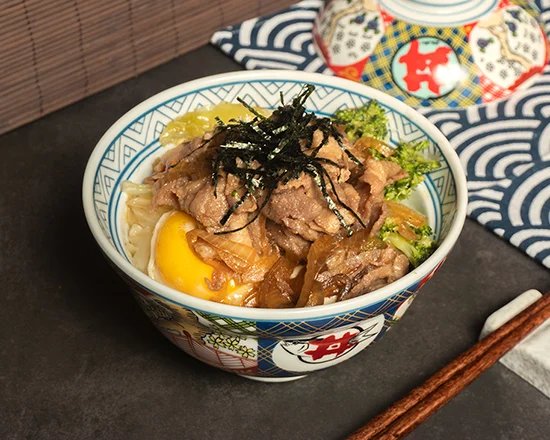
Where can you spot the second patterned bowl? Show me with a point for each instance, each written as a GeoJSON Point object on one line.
{"type": "Point", "coordinates": [438, 53]}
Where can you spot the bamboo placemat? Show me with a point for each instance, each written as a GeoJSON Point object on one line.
{"type": "Point", "coordinates": [57, 52]}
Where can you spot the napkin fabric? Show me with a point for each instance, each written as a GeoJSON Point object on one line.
{"type": "Point", "coordinates": [503, 146]}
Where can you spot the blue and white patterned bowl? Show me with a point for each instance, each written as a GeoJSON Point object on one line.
{"type": "Point", "coordinates": [264, 344]}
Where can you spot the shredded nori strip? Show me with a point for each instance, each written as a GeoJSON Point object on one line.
{"type": "Point", "coordinates": [267, 151]}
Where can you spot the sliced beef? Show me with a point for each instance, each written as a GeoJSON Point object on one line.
{"type": "Point", "coordinates": [380, 173]}
{"type": "Point", "coordinates": [300, 205]}
{"type": "Point", "coordinates": [183, 181]}
{"type": "Point", "coordinates": [296, 215]}
{"type": "Point", "coordinates": [295, 247]}
{"type": "Point", "coordinates": [259, 237]}
{"type": "Point", "coordinates": [389, 267]}
{"type": "Point", "coordinates": [367, 270]}
{"type": "Point", "coordinates": [333, 152]}
{"type": "Point", "coordinates": [182, 152]}
{"type": "Point", "coordinates": [376, 176]}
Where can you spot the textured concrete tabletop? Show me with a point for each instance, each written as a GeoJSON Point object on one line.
{"type": "Point", "coordinates": [79, 360]}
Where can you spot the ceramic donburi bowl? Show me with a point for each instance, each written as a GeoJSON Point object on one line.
{"type": "Point", "coordinates": [265, 344]}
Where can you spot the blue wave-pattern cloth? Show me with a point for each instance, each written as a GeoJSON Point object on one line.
{"type": "Point", "coordinates": [503, 146]}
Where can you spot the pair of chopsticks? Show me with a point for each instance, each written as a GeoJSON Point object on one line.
{"type": "Point", "coordinates": [406, 414]}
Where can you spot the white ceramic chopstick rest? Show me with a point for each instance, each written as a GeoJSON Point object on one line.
{"type": "Point", "coordinates": [530, 359]}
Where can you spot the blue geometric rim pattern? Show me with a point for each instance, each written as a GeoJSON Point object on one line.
{"type": "Point", "coordinates": [504, 146]}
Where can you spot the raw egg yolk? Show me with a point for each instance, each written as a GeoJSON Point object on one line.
{"type": "Point", "coordinates": [178, 265]}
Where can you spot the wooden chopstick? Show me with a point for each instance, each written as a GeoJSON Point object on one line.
{"type": "Point", "coordinates": [403, 416]}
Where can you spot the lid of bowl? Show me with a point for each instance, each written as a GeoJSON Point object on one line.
{"type": "Point", "coordinates": [434, 53]}
{"type": "Point", "coordinates": [439, 12]}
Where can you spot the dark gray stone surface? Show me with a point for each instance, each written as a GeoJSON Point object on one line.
{"type": "Point", "coordinates": [79, 360]}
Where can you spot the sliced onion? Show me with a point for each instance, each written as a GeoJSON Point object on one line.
{"type": "Point", "coordinates": [276, 290]}
{"type": "Point", "coordinates": [237, 256]}
{"type": "Point", "coordinates": [136, 189]}
{"type": "Point", "coordinates": [336, 251]}
{"type": "Point", "coordinates": [316, 259]}
{"type": "Point", "coordinates": [368, 142]}
{"type": "Point", "coordinates": [374, 242]}
{"type": "Point", "coordinates": [361, 241]}
{"type": "Point", "coordinates": [406, 232]}
{"type": "Point", "coordinates": [251, 299]}
{"type": "Point", "coordinates": [256, 272]}
{"type": "Point", "coordinates": [339, 285]}
{"type": "Point", "coordinates": [267, 247]}
{"type": "Point", "coordinates": [317, 295]}
{"type": "Point", "coordinates": [404, 214]}
{"type": "Point", "coordinates": [244, 261]}
{"type": "Point", "coordinates": [258, 235]}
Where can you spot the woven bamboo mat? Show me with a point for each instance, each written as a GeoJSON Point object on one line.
{"type": "Point", "coordinates": [56, 52]}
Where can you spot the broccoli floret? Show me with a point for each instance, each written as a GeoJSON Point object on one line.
{"type": "Point", "coordinates": [417, 251]}
{"type": "Point", "coordinates": [376, 154]}
{"type": "Point", "coordinates": [408, 155]}
{"type": "Point", "coordinates": [368, 120]}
